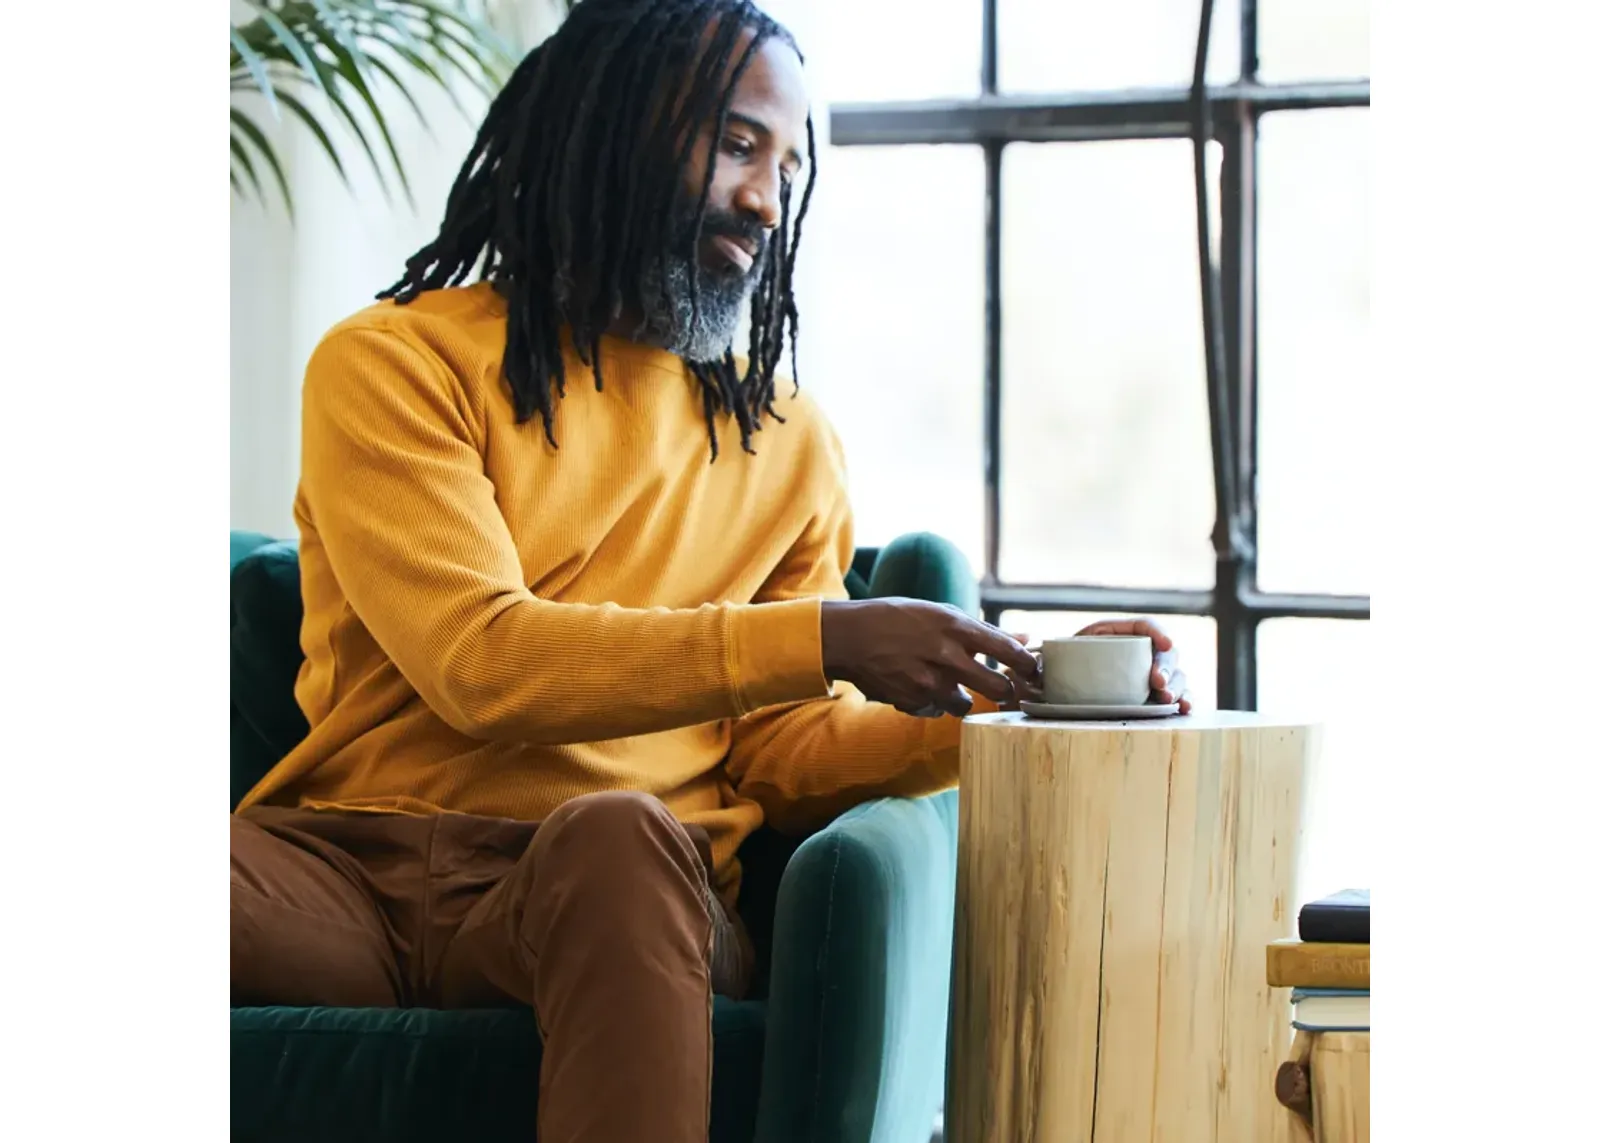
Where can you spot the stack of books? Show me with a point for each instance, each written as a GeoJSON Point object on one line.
{"type": "Point", "coordinates": [1329, 966]}
{"type": "Point", "coordinates": [1329, 969]}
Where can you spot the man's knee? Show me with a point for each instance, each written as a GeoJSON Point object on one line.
{"type": "Point", "coordinates": [926, 566]}
{"type": "Point", "coordinates": [618, 821]}
{"type": "Point", "coordinates": [622, 842]}
{"type": "Point", "coordinates": [609, 878]}
{"type": "Point", "coordinates": [620, 810]}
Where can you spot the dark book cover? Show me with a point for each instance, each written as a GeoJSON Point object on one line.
{"type": "Point", "coordinates": [1343, 917]}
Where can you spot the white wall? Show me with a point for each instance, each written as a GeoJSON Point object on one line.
{"type": "Point", "coordinates": [289, 283]}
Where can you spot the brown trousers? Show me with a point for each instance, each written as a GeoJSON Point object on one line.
{"type": "Point", "coordinates": [601, 919]}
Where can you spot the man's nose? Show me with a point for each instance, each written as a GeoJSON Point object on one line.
{"type": "Point", "coordinates": [758, 198]}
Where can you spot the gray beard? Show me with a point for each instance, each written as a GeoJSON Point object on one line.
{"type": "Point", "coordinates": [668, 308]}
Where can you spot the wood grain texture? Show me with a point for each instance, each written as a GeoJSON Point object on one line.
{"type": "Point", "coordinates": [1116, 883]}
{"type": "Point", "coordinates": [1341, 1081]}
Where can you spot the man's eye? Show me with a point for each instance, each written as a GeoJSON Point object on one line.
{"type": "Point", "coordinates": [736, 147]}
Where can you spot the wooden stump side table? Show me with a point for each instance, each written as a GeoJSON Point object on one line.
{"type": "Point", "coordinates": [1116, 883]}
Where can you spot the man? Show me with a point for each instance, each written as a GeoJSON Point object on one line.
{"type": "Point", "coordinates": [557, 671]}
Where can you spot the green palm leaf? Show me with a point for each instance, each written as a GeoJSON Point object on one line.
{"type": "Point", "coordinates": [258, 68]}
{"type": "Point", "coordinates": [241, 161]}
{"type": "Point", "coordinates": [399, 85]}
{"type": "Point", "coordinates": [349, 69]}
{"type": "Point", "coordinates": [290, 42]}
{"type": "Point", "coordinates": [329, 43]}
{"type": "Point", "coordinates": [421, 64]}
{"type": "Point", "coordinates": [335, 15]}
{"type": "Point", "coordinates": [451, 47]}
{"type": "Point", "coordinates": [341, 48]}
{"type": "Point", "coordinates": [256, 136]}
{"type": "Point", "coordinates": [317, 132]}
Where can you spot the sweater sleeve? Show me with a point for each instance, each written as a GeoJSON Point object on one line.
{"type": "Point", "coordinates": [805, 763]}
{"type": "Point", "coordinates": [394, 481]}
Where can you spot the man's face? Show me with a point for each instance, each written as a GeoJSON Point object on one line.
{"type": "Point", "coordinates": [757, 155]}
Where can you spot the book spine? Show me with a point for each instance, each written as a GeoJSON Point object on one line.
{"type": "Point", "coordinates": [1334, 926]}
{"type": "Point", "coordinates": [1343, 966]}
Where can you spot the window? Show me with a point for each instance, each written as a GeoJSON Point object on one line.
{"type": "Point", "coordinates": [1318, 394]}
{"type": "Point", "coordinates": [1313, 39]}
{"type": "Point", "coordinates": [1084, 45]}
{"type": "Point", "coordinates": [904, 413]}
{"type": "Point", "coordinates": [1106, 459]}
{"type": "Point", "coordinates": [1016, 274]}
{"type": "Point", "coordinates": [934, 53]}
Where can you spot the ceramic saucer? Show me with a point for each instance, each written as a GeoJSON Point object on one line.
{"type": "Point", "coordinates": [1077, 712]}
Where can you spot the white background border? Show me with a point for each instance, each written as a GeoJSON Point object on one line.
{"type": "Point", "coordinates": [115, 477]}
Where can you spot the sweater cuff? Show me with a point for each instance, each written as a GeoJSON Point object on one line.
{"type": "Point", "coordinates": [775, 653]}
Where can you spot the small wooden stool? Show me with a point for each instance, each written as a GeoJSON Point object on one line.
{"type": "Point", "coordinates": [1327, 1084]}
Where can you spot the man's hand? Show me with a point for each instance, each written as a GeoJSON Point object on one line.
{"type": "Point", "coordinates": [1168, 683]}
{"type": "Point", "coordinates": [917, 656]}
{"type": "Point", "coordinates": [1025, 690]}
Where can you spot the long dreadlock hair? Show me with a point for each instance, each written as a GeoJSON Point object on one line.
{"type": "Point", "coordinates": [567, 199]}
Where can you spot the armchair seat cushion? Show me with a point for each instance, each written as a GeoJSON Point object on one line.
{"type": "Point", "coordinates": [398, 1075]}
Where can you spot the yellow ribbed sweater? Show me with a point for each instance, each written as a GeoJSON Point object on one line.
{"type": "Point", "coordinates": [493, 626]}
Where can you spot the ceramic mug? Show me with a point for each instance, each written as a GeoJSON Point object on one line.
{"type": "Point", "coordinates": [1098, 670]}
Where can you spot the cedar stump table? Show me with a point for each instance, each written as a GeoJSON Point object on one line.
{"type": "Point", "coordinates": [1116, 883]}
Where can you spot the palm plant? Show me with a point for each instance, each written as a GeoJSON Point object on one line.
{"type": "Point", "coordinates": [294, 50]}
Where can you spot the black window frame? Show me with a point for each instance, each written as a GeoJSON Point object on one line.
{"type": "Point", "coordinates": [1228, 114]}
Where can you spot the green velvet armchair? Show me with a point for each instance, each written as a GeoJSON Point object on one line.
{"type": "Point", "coordinates": [843, 1040]}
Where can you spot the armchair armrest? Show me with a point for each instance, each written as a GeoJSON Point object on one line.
{"type": "Point", "coordinates": [860, 989]}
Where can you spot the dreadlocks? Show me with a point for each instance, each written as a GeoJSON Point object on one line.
{"type": "Point", "coordinates": [569, 197]}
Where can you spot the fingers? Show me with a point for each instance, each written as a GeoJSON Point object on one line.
{"type": "Point", "coordinates": [956, 702]}
{"type": "Point", "coordinates": [1167, 656]}
{"type": "Point", "coordinates": [1162, 668]}
{"type": "Point", "coordinates": [981, 639]}
{"type": "Point", "coordinates": [952, 702]}
{"type": "Point", "coordinates": [918, 657]}
{"type": "Point", "coordinates": [1172, 688]}
{"type": "Point", "coordinates": [962, 668]}
{"type": "Point", "coordinates": [1023, 692]}
{"type": "Point", "coordinates": [1026, 690]}
{"type": "Point", "coordinates": [1159, 639]}
{"type": "Point", "coordinates": [944, 687]}
{"type": "Point", "coordinates": [1167, 681]}
{"type": "Point", "coordinates": [931, 710]}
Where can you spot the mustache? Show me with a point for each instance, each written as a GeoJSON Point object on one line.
{"type": "Point", "coordinates": [731, 225]}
